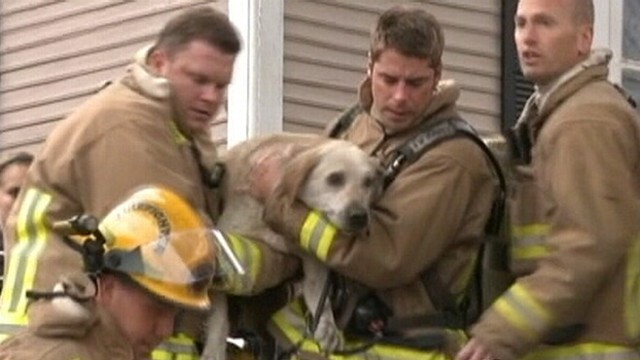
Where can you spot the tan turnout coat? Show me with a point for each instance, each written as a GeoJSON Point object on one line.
{"type": "Point", "coordinates": [124, 137]}
{"type": "Point", "coordinates": [578, 204]}
{"type": "Point", "coordinates": [431, 217]}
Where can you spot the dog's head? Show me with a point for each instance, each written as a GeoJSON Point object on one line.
{"type": "Point", "coordinates": [338, 179]}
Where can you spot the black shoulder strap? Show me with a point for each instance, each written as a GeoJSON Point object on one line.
{"type": "Point", "coordinates": [626, 95]}
{"type": "Point", "coordinates": [432, 135]}
{"type": "Point", "coordinates": [456, 314]}
{"type": "Point", "coordinates": [344, 121]}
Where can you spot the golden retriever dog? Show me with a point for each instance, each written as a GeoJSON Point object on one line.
{"type": "Point", "coordinates": [332, 176]}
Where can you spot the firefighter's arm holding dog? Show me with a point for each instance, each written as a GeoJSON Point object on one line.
{"type": "Point", "coordinates": [404, 243]}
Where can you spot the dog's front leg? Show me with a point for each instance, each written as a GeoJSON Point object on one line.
{"type": "Point", "coordinates": [315, 278]}
{"type": "Point", "coordinates": [217, 329]}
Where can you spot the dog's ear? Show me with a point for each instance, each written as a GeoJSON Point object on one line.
{"type": "Point", "coordinates": [297, 171]}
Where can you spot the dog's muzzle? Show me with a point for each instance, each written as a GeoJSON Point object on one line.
{"type": "Point", "coordinates": [357, 218]}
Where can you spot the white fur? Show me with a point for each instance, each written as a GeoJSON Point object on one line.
{"type": "Point", "coordinates": [332, 176]}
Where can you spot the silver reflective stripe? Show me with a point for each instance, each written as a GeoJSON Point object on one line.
{"type": "Point", "coordinates": [248, 254]}
{"type": "Point", "coordinates": [317, 235]}
{"type": "Point", "coordinates": [530, 240]}
{"type": "Point", "coordinates": [534, 321]}
{"type": "Point", "coordinates": [32, 241]}
{"type": "Point", "coordinates": [523, 311]}
{"type": "Point", "coordinates": [224, 244]}
{"type": "Point", "coordinates": [22, 262]}
{"type": "Point", "coordinates": [531, 234]}
{"type": "Point", "coordinates": [7, 330]}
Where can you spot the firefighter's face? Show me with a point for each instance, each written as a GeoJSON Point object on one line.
{"type": "Point", "coordinates": [402, 88]}
{"type": "Point", "coordinates": [550, 38]}
{"type": "Point", "coordinates": [199, 75]}
{"type": "Point", "coordinates": [11, 180]}
{"type": "Point", "coordinates": [142, 319]}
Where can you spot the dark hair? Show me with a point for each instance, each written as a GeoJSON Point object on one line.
{"type": "Point", "coordinates": [412, 32]}
{"type": "Point", "coordinates": [200, 23]}
{"type": "Point", "coordinates": [20, 158]}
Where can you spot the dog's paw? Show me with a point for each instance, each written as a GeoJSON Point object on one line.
{"type": "Point", "coordinates": [328, 335]}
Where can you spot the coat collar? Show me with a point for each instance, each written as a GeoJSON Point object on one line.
{"type": "Point", "coordinates": [545, 100]}
{"type": "Point", "coordinates": [146, 81]}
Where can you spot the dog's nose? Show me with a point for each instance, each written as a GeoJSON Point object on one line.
{"type": "Point", "coordinates": [358, 219]}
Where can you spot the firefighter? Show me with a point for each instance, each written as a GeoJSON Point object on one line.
{"type": "Point", "coordinates": [416, 259]}
{"type": "Point", "coordinates": [575, 205]}
{"type": "Point", "coordinates": [152, 125]}
{"type": "Point", "coordinates": [151, 257]}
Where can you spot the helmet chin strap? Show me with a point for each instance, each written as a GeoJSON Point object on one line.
{"type": "Point", "coordinates": [68, 287]}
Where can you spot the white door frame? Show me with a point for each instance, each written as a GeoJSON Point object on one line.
{"type": "Point", "coordinates": [255, 93]}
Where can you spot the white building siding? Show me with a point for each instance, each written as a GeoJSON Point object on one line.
{"type": "Point", "coordinates": [54, 54]}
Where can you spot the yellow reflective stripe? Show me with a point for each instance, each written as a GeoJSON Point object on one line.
{"type": "Point", "coordinates": [529, 252]}
{"type": "Point", "coordinates": [23, 261]}
{"type": "Point", "coordinates": [161, 355]}
{"type": "Point", "coordinates": [317, 235]}
{"type": "Point", "coordinates": [250, 257]}
{"type": "Point", "coordinates": [530, 230]}
{"type": "Point", "coordinates": [291, 322]}
{"type": "Point", "coordinates": [177, 347]}
{"type": "Point", "coordinates": [632, 291]}
{"type": "Point", "coordinates": [585, 351]}
{"type": "Point", "coordinates": [521, 310]}
{"type": "Point", "coordinates": [402, 353]}
{"type": "Point", "coordinates": [529, 242]}
{"type": "Point", "coordinates": [187, 357]}
{"type": "Point", "coordinates": [308, 227]}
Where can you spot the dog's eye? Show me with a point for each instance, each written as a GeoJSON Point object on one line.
{"type": "Point", "coordinates": [336, 179]}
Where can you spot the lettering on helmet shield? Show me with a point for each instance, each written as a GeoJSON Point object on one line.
{"type": "Point", "coordinates": [162, 220]}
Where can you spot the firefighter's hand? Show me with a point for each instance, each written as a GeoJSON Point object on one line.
{"type": "Point", "coordinates": [265, 175]}
{"type": "Point", "coordinates": [474, 350]}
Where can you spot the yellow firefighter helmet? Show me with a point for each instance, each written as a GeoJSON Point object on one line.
{"type": "Point", "coordinates": [158, 240]}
